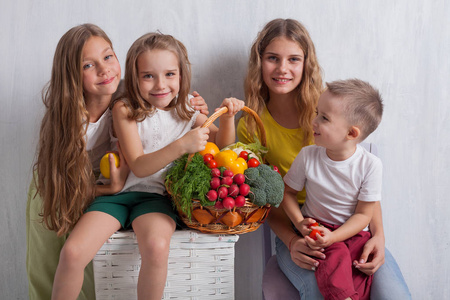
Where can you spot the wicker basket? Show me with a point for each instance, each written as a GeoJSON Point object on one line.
{"type": "Point", "coordinates": [209, 219]}
{"type": "Point", "coordinates": [201, 266]}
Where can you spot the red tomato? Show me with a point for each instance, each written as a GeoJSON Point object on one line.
{"type": "Point", "coordinates": [212, 164]}
{"type": "Point", "coordinates": [208, 157]}
{"type": "Point", "coordinates": [313, 234]}
{"type": "Point", "coordinates": [244, 155]}
{"type": "Point", "coordinates": [313, 224]}
{"type": "Point", "coordinates": [253, 163]}
{"type": "Point", "coordinates": [275, 168]}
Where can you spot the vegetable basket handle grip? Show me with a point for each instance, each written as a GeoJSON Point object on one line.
{"type": "Point", "coordinates": [248, 110]}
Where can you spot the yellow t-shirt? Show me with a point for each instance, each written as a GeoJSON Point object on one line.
{"type": "Point", "coordinates": [283, 143]}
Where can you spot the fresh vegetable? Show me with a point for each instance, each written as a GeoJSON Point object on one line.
{"type": "Point", "coordinates": [244, 155]}
{"type": "Point", "coordinates": [230, 160]}
{"type": "Point", "coordinates": [228, 203]}
{"type": "Point", "coordinates": [210, 148]}
{"type": "Point", "coordinates": [215, 172]}
{"type": "Point", "coordinates": [313, 234]}
{"type": "Point", "coordinates": [187, 182]}
{"type": "Point", "coordinates": [215, 183]}
{"type": "Point", "coordinates": [208, 157]}
{"type": "Point", "coordinates": [253, 163]}
{"type": "Point", "coordinates": [254, 150]}
{"type": "Point", "coordinates": [239, 179]}
{"type": "Point", "coordinates": [211, 195]}
{"type": "Point", "coordinates": [266, 185]}
{"type": "Point", "coordinates": [212, 164]}
{"type": "Point", "coordinates": [315, 224]}
{"type": "Point", "coordinates": [239, 201]}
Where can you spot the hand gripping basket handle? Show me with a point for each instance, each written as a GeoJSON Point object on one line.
{"type": "Point", "coordinates": [248, 110]}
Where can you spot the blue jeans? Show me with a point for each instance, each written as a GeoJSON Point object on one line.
{"type": "Point", "coordinates": [388, 282]}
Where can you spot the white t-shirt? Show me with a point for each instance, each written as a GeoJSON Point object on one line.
{"type": "Point", "coordinates": [98, 139]}
{"type": "Point", "coordinates": [157, 131]}
{"type": "Point", "coordinates": [333, 188]}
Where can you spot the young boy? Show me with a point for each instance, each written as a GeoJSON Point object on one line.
{"type": "Point", "coordinates": [342, 182]}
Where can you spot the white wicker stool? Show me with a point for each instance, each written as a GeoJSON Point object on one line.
{"type": "Point", "coordinates": [201, 266]}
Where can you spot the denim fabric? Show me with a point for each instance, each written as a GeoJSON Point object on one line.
{"type": "Point", "coordinates": [388, 282]}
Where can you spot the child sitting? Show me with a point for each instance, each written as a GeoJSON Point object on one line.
{"type": "Point", "coordinates": [343, 183]}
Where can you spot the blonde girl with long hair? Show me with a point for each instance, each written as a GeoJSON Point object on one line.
{"type": "Point", "coordinates": [155, 125]}
{"type": "Point", "coordinates": [283, 84]}
{"type": "Point", "coordinates": [74, 135]}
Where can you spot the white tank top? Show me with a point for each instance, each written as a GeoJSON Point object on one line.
{"type": "Point", "coordinates": [157, 131]}
{"type": "Point", "coordinates": [98, 139]}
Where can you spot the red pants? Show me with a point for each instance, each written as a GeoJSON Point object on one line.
{"type": "Point", "coordinates": [336, 276]}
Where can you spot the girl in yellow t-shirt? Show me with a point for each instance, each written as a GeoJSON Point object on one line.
{"type": "Point", "coordinates": [283, 85]}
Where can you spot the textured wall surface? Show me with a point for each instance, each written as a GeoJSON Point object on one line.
{"type": "Point", "coordinates": [401, 47]}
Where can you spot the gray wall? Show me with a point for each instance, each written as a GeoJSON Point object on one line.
{"type": "Point", "coordinates": [400, 46]}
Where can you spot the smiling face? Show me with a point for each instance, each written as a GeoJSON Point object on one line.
{"type": "Point", "coordinates": [331, 129]}
{"type": "Point", "coordinates": [101, 69]}
{"type": "Point", "coordinates": [159, 77]}
{"type": "Point", "coordinates": [282, 66]}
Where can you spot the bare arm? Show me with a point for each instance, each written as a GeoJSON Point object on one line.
{"type": "Point", "coordinates": [291, 207]}
{"type": "Point", "coordinates": [143, 164]}
{"type": "Point", "coordinates": [226, 133]}
{"type": "Point", "coordinates": [372, 257]}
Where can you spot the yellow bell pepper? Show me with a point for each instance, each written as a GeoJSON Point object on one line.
{"type": "Point", "coordinates": [230, 160]}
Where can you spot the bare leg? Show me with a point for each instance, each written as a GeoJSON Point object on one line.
{"type": "Point", "coordinates": [90, 233]}
{"type": "Point", "coordinates": [153, 232]}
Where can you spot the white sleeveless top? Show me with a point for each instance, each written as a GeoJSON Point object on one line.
{"type": "Point", "coordinates": [157, 131]}
{"type": "Point", "coordinates": [98, 139]}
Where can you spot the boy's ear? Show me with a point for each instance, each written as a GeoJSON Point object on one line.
{"type": "Point", "coordinates": [353, 133]}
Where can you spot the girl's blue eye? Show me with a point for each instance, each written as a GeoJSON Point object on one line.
{"type": "Point", "coordinates": [148, 76]}
{"type": "Point", "coordinates": [87, 66]}
{"type": "Point", "coordinates": [170, 74]}
{"type": "Point", "coordinates": [108, 57]}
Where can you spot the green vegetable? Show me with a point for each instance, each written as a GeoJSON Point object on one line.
{"type": "Point", "coordinates": [189, 182]}
{"type": "Point", "coordinates": [266, 185]}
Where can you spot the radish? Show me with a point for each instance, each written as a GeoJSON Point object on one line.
{"type": "Point", "coordinates": [211, 195]}
{"type": "Point", "coordinates": [244, 189]}
{"type": "Point", "coordinates": [228, 173]}
{"type": "Point", "coordinates": [239, 201]}
{"type": "Point", "coordinates": [222, 192]}
{"type": "Point", "coordinates": [218, 205]}
{"type": "Point", "coordinates": [239, 178]}
{"type": "Point", "coordinates": [227, 180]}
{"type": "Point", "coordinates": [215, 172]}
{"type": "Point", "coordinates": [233, 190]}
{"type": "Point", "coordinates": [228, 203]}
{"type": "Point", "coordinates": [214, 183]}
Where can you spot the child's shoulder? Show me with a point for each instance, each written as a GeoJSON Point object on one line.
{"type": "Point", "coordinates": [120, 107]}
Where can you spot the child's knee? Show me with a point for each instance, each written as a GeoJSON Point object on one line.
{"type": "Point", "coordinates": [155, 249]}
{"type": "Point", "coordinates": [72, 256]}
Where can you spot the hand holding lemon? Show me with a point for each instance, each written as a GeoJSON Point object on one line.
{"type": "Point", "coordinates": [104, 164]}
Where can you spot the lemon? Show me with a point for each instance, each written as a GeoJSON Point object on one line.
{"type": "Point", "coordinates": [104, 164]}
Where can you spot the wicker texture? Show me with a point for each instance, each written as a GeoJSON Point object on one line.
{"type": "Point", "coordinates": [209, 219]}
{"type": "Point", "coordinates": [200, 266]}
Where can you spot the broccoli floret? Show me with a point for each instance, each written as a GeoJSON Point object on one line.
{"type": "Point", "coordinates": [266, 185]}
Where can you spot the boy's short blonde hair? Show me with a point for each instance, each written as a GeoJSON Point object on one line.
{"type": "Point", "coordinates": [363, 107]}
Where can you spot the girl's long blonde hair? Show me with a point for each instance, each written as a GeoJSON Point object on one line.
{"type": "Point", "coordinates": [310, 87]}
{"type": "Point", "coordinates": [65, 179]}
{"type": "Point", "coordinates": [139, 109]}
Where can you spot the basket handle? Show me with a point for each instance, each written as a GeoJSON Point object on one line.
{"type": "Point", "coordinates": [223, 110]}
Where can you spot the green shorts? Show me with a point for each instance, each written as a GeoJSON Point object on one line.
{"type": "Point", "coordinates": [126, 207]}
